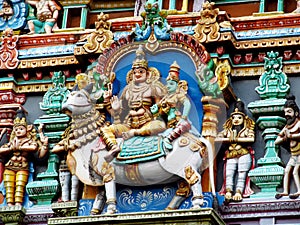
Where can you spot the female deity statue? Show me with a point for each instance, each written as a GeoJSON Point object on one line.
{"type": "Point", "coordinates": [170, 105]}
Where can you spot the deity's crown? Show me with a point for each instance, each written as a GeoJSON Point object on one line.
{"type": "Point", "coordinates": [20, 122]}
{"type": "Point", "coordinates": [174, 72]}
{"type": "Point", "coordinates": [140, 59]}
{"type": "Point", "coordinates": [81, 76]}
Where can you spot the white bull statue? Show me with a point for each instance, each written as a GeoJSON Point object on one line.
{"type": "Point", "coordinates": [86, 152]}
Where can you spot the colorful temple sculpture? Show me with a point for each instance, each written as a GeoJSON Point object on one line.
{"type": "Point", "coordinates": [149, 112]}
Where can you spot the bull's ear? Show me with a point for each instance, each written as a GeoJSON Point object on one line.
{"type": "Point", "coordinates": [75, 88]}
{"type": "Point", "coordinates": [89, 88]}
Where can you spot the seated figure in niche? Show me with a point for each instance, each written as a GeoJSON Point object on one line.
{"type": "Point", "coordinates": [22, 143]}
{"type": "Point", "coordinates": [45, 19]}
{"type": "Point", "coordinates": [142, 91]}
{"type": "Point", "coordinates": [238, 133]}
{"type": "Point", "coordinates": [170, 105]}
{"type": "Point", "coordinates": [56, 95]}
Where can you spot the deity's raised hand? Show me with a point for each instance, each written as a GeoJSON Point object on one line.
{"type": "Point", "coordinates": [115, 103]}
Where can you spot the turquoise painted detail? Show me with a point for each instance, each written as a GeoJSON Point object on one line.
{"type": "Point", "coordinates": [154, 20]}
{"type": "Point", "coordinates": [46, 187]}
{"type": "Point", "coordinates": [56, 95]}
{"type": "Point", "coordinates": [140, 149]}
{"type": "Point", "coordinates": [273, 82]}
{"type": "Point", "coordinates": [84, 12]}
{"type": "Point", "coordinates": [273, 90]}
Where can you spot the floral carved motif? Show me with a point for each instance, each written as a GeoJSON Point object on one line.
{"type": "Point", "coordinates": [208, 29]}
{"type": "Point", "coordinates": [100, 39]}
{"type": "Point", "coordinates": [8, 50]}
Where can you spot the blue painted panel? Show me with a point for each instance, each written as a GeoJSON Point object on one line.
{"type": "Point", "coordinates": [18, 19]}
{"type": "Point", "coordinates": [142, 199]}
{"type": "Point", "coordinates": [162, 61]}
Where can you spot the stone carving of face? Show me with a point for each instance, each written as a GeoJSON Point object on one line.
{"type": "Point", "coordinates": [290, 115]}
{"type": "Point", "coordinates": [139, 75]}
{"type": "Point", "coordinates": [172, 86]}
{"type": "Point", "coordinates": [20, 131]}
{"type": "Point", "coordinates": [237, 119]}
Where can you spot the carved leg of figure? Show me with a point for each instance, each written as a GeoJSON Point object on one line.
{"type": "Point", "coordinates": [21, 181]}
{"type": "Point", "coordinates": [9, 184]}
{"type": "Point", "coordinates": [197, 200]}
{"type": "Point", "coordinates": [64, 179]}
{"type": "Point", "coordinates": [231, 168]}
{"type": "Point", "coordinates": [297, 181]}
{"type": "Point", "coordinates": [110, 189]}
{"type": "Point", "coordinates": [181, 194]}
{"type": "Point", "coordinates": [244, 164]}
{"type": "Point", "coordinates": [74, 188]}
{"type": "Point", "coordinates": [31, 27]}
{"type": "Point", "coordinates": [109, 134]}
{"type": "Point", "coordinates": [98, 203]}
{"type": "Point", "coordinates": [286, 180]}
{"type": "Point", "coordinates": [48, 27]}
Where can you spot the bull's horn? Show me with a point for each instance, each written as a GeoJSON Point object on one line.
{"type": "Point", "coordinates": [89, 88]}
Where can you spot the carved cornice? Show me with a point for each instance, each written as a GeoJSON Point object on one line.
{"type": "Point", "coordinates": [265, 22]}
{"type": "Point", "coordinates": [44, 62]}
{"type": "Point", "coordinates": [26, 41]}
{"type": "Point", "coordinates": [254, 209]}
{"type": "Point", "coordinates": [259, 43]}
{"type": "Point", "coordinates": [7, 84]}
{"type": "Point", "coordinates": [180, 217]}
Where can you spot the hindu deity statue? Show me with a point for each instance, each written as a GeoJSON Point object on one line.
{"type": "Point", "coordinates": [153, 19]}
{"type": "Point", "coordinates": [23, 142]}
{"type": "Point", "coordinates": [56, 95]}
{"type": "Point", "coordinates": [238, 133]}
{"type": "Point", "coordinates": [133, 108]}
{"type": "Point", "coordinates": [7, 10]}
{"type": "Point", "coordinates": [46, 16]}
{"type": "Point", "coordinates": [170, 104]}
{"type": "Point", "coordinates": [291, 133]}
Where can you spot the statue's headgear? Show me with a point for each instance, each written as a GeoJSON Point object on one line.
{"type": "Point", "coordinates": [20, 119]}
{"type": "Point", "coordinates": [174, 72]}
{"type": "Point", "coordinates": [140, 59]}
{"type": "Point", "coordinates": [239, 108]}
{"type": "Point", "coordinates": [291, 103]}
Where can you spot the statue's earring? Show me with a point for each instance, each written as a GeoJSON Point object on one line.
{"type": "Point", "coordinates": [148, 81]}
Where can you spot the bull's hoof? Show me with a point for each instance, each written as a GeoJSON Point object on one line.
{"type": "Point", "coordinates": [111, 209]}
{"type": "Point", "coordinates": [95, 212]}
{"type": "Point", "coordinates": [197, 202]}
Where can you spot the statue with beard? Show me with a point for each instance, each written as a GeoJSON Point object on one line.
{"type": "Point", "coordinates": [239, 157]}
{"type": "Point", "coordinates": [291, 133]}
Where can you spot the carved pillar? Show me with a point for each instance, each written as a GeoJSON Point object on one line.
{"type": "Point", "coordinates": [46, 187]}
{"type": "Point", "coordinates": [211, 107]}
{"type": "Point", "coordinates": [272, 90]}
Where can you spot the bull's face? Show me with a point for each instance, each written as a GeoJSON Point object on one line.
{"type": "Point", "coordinates": [78, 102]}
